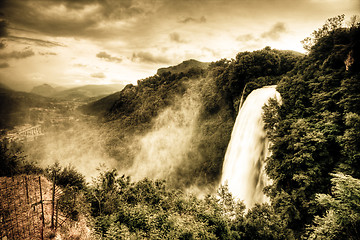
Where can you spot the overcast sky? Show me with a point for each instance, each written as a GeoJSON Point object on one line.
{"type": "Point", "coordinates": [76, 42]}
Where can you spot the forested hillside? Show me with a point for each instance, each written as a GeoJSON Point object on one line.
{"type": "Point", "coordinates": [315, 131]}
{"type": "Point", "coordinates": [217, 92]}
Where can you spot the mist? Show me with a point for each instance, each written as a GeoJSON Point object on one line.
{"type": "Point", "coordinates": [79, 145]}
{"type": "Point", "coordinates": [165, 148]}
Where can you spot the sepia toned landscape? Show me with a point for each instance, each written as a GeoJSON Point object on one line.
{"type": "Point", "coordinates": [187, 119]}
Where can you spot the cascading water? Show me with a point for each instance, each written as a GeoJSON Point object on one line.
{"type": "Point", "coordinates": [243, 169]}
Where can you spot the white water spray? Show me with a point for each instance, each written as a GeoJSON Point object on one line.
{"type": "Point", "coordinates": [243, 168]}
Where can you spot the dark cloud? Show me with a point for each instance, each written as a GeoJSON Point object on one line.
{"type": "Point", "coordinates": [245, 38]}
{"type": "Point", "coordinates": [98, 75]}
{"type": "Point", "coordinates": [36, 41]}
{"type": "Point", "coordinates": [195, 20]}
{"type": "Point", "coordinates": [149, 58]}
{"type": "Point", "coordinates": [115, 9]}
{"type": "Point", "coordinates": [17, 54]}
{"type": "Point", "coordinates": [4, 65]}
{"type": "Point", "coordinates": [275, 32]}
{"type": "Point", "coordinates": [108, 57]}
{"type": "Point", "coordinates": [74, 18]}
{"type": "Point", "coordinates": [3, 28]}
{"type": "Point", "coordinates": [2, 44]}
{"type": "Point", "coordinates": [47, 53]}
{"type": "Point", "coordinates": [175, 37]}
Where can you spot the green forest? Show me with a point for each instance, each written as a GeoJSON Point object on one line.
{"type": "Point", "coordinates": [315, 144]}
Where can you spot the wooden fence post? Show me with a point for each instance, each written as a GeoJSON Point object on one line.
{"type": "Point", "coordinates": [42, 210]}
{"type": "Point", "coordinates": [53, 202]}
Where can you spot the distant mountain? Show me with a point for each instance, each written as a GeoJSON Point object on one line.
{"type": "Point", "coordinates": [184, 66]}
{"type": "Point", "coordinates": [4, 87]}
{"type": "Point", "coordinates": [14, 106]}
{"type": "Point", "coordinates": [87, 91]}
{"type": "Point", "coordinates": [44, 90]}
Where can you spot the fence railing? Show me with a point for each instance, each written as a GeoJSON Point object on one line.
{"type": "Point", "coordinates": [28, 207]}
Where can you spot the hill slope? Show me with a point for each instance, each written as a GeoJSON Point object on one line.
{"type": "Point", "coordinates": [185, 66]}
{"type": "Point", "coordinates": [205, 100]}
{"type": "Point", "coordinates": [87, 91]}
{"type": "Point", "coordinates": [14, 106]}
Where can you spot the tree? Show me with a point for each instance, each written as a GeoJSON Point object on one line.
{"type": "Point", "coordinates": [330, 25]}
{"type": "Point", "coordinates": [342, 218]}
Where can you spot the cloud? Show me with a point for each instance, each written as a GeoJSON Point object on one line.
{"type": "Point", "coordinates": [98, 75]}
{"type": "Point", "coordinates": [47, 53]}
{"type": "Point", "coordinates": [3, 28]}
{"type": "Point", "coordinates": [80, 65]}
{"type": "Point", "coordinates": [108, 57]}
{"type": "Point", "coordinates": [39, 42]}
{"type": "Point", "coordinates": [245, 38]}
{"type": "Point", "coordinates": [194, 20]}
{"type": "Point", "coordinates": [4, 65]}
{"type": "Point", "coordinates": [17, 54]}
{"type": "Point", "coordinates": [88, 18]}
{"type": "Point", "coordinates": [149, 58]}
{"type": "Point", "coordinates": [175, 37]}
{"type": "Point", "coordinates": [2, 44]}
{"type": "Point", "coordinates": [275, 32]}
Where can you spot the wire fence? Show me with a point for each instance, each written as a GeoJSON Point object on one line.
{"type": "Point", "coordinates": [28, 207]}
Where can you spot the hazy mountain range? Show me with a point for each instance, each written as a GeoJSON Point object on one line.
{"type": "Point", "coordinates": [76, 93]}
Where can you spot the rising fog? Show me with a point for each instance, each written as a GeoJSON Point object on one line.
{"type": "Point", "coordinates": [165, 148]}
{"type": "Point", "coordinates": [80, 145]}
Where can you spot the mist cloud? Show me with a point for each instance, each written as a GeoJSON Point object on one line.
{"type": "Point", "coordinates": [245, 38]}
{"type": "Point", "coordinates": [81, 146]}
{"type": "Point", "coordinates": [166, 147]}
{"type": "Point", "coordinates": [17, 54]}
{"type": "Point", "coordinates": [193, 20]}
{"type": "Point", "coordinates": [108, 57]}
{"type": "Point", "coordinates": [4, 65]}
{"type": "Point", "coordinates": [175, 37]}
{"type": "Point", "coordinates": [149, 58]}
{"type": "Point", "coordinates": [275, 32]}
{"type": "Point", "coordinates": [98, 75]}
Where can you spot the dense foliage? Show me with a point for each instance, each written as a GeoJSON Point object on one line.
{"type": "Point", "coordinates": [315, 131]}
{"type": "Point", "coordinates": [150, 210]}
{"type": "Point", "coordinates": [132, 112]}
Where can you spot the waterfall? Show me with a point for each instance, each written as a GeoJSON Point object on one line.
{"type": "Point", "coordinates": [243, 169]}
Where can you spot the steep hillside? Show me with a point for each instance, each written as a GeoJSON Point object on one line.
{"type": "Point", "coordinates": [205, 100]}
{"type": "Point", "coordinates": [315, 132]}
{"type": "Point", "coordinates": [100, 107]}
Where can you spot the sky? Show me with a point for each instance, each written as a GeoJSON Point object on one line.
{"type": "Point", "coordinates": [79, 42]}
